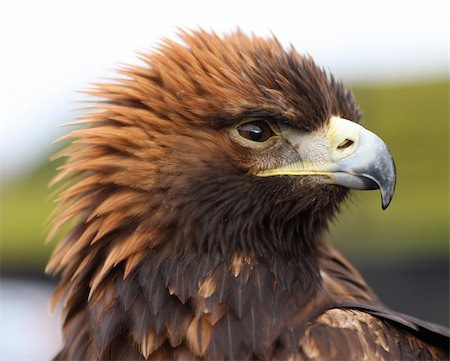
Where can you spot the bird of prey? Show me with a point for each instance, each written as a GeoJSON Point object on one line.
{"type": "Point", "coordinates": [194, 206]}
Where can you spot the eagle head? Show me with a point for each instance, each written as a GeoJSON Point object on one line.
{"type": "Point", "coordinates": [215, 146]}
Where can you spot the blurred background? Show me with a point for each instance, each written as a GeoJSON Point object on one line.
{"type": "Point", "coordinates": [393, 54]}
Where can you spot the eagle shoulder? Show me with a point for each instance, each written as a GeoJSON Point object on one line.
{"type": "Point", "coordinates": [350, 334]}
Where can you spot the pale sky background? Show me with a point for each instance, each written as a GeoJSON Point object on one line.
{"type": "Point", "coordinates": [50, 49]}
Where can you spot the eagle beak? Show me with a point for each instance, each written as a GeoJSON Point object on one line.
{"type": "Point", "coordinates": [344, 153]}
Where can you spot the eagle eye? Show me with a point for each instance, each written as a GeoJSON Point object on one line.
{"type": "Point", "coordinates": [256, 131]}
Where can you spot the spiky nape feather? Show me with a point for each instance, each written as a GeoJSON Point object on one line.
{"type": "Point", "coordinates": [177, 251]}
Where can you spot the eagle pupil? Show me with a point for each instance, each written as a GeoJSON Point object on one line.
{"type": "Point", "coordinates": [256, 131]}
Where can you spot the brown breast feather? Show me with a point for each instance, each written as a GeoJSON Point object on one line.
{"type": "Point", "coordinates": [236, 310]}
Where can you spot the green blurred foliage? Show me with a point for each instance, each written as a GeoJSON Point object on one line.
{"type": "Point", "coordinates": [413, 121]}
{"type": "Point", "coordinates": [25, 207]}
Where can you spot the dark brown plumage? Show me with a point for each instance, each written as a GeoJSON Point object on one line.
{"type": "Point", "coordinates": [181, 247]}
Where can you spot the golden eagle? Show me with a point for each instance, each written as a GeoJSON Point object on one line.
{"type": "Point", "coordinates": [194, 204]}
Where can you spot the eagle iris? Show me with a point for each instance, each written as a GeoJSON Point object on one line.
{"type": "Point", "coordinates": [257, 131]}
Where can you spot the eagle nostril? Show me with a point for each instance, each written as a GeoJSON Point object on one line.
{"type": "Point", "coordinates": [345, 144]}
